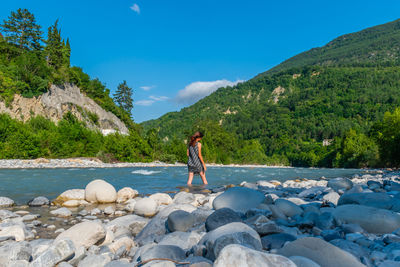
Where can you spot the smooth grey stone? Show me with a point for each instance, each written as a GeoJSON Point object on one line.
{"type": "Point", "coordinates": [180, 220]}
{"type": "Point", "coordinates": [353, 236]}
{"type": "Point", "coordinates": [184, 198]}
{"type": "Point", "coordinates": [276, 241]}
{"type": "Point", "coordinates": [376, 200]}
{"type": "Point", "coordinates": [201, 214]}
{"type": "Point", "coordinates": [288, 208]}
{"type": "Point", "coordinates": [329, 235]}
{"type": "Point", "coordinates": [340, 183]}
{"type": "Point", "coordinates": [237, 255]}
{"type": "Point", "coordinates": [232, 233]}
{"type": "Point", "coordinates": [372, 220]}
{"type": "Point", "coordinates": [39, 201]}
{"type": "Point", "coordinates": [267, 228]}
{"type": "Point", "coordinates": [364, 242]}
{"type": "Point", "coordinates": [62, 212]}
{"type": "Point", "coordinates": [238, 199]}
{"type": "Point", "coordinates": [389, 263]}
{"type": "Point", "coordinates": [118, 263]}
{"type": "Point", "coordinates": [303, 261]}
{"type": "Point", "coordinates": [156, 226]}
{"type": "Point", "coordinates": [325, 221]}
{"type": "Point", "coordinates": [184, 240]}
{"type": "Point", "coordinates": [14, 251]}
{"type": "Point", "coordinates": [374, 184]}
{"type": "Point", "coordinates": [198, 260]}
{"type": "Point", "coordinates": [64, 264]}
{"type": "Point", "coordinates": [128, 223]}
{"type": "Point", "coordinates": [164, 251]}
{"type": "Point", "coordinates": [221, 217]}
{"type": "Point", "coordinates": [351, 228]}
{"type": "Point", "coordinates": [311, 192]}
{"type": "Point", "coordinates": [94, 261]}
{"type": "Point", "coordinates": [321, 252]}
{"type": "Point", "coordinates": [61, 250]}
{"type": "Point", "coordinates": [350, 247]}
{"type": "Point", "coordinates": [277, 213]}
{"type": "Point", "coordinates": [257, 211]}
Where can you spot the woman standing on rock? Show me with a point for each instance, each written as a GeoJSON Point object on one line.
{"type": "Point", "coordinates": [196, 163]}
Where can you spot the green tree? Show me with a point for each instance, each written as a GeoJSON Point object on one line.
{"type": "Point", "coordinates": [123, 97]}
{"type": "Point", "coordinates": [21, 29]}
{"type": "Point", "coordinates": [54, 50]}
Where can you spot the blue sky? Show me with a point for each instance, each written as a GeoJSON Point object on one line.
{"type": "Point", "coordinates": [174, 52]}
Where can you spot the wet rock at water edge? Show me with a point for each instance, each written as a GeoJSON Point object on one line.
{"type": "Point", "coordinates": [146, 207]}
{"type": "Point", "coordinates": [6, 202]}
{"type": "Point", "coordinates": [39, 201]}
{"type": "Point", "coordinates": [61, 212]}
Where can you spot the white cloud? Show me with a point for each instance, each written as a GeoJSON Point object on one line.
{"type": "Point", "coordinates": [152, 99]}
{"type": "Point", "coordinates": [135, 8]}
{"type": "Point", "coordinates": [197, 90]}
{"type": "Point", "coordinates": [159, 98]}
{"type": "Point", "coordinates": [146, 102]}
{"type": "Point", "coordinates": [147, 88]}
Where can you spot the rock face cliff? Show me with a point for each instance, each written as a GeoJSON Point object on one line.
{"type": "Point", "coordinates": [60, 100]}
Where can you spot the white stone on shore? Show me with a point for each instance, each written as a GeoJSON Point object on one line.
{"type": "Point", "coordinates": [61, 212]}
{"type": "Point", "coordinates": [17, 231]}
{"type": "Point", "coordinates": [84, 234]}
{"type": "Point", "coordinates": [240, 256]}
{"type": "Point", "coordinates": [161, 198]}
{"type": "Point", "coordinates": [123, 241]}
{"type": "Point", "coordinates": [61, 249]}
{"type": "Point", "coordinates": [99, 191]}
{"type": "Point", "coordinates": [6, 202]}
{"type": "Point", "coordinates": [146, 207]}
{"type": "Point", "coordinates": [332, 197]}
{"type": "Point", "coordinates": [75, 203]}
{"type": "Point", "coordinates": [130, 205]}
{"type": "Point", "coordinates": [125, 194]}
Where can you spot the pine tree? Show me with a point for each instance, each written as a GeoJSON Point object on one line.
{"type": "Point", "coordinates": [54, 47]}
{"type": "Point", "coordinates": [21, 29]}
{"type": "Point", "coordinates": [66, 53]}
{"type": "Point", "coordinates": [123, 97]}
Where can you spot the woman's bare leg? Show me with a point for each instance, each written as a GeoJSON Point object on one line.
{"type": "Point", "coordinates": [203, 177]}
{"type": "Point", "coordinates": [190, 178]}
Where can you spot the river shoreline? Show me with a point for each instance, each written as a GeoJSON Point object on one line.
{"type": "Point", "coordinates": [42, 163]}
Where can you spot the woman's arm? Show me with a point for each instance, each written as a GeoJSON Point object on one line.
{"type": "Point", "coordinates": [201, 158]}
{"type": "Point", "coordinates": [187, 152]}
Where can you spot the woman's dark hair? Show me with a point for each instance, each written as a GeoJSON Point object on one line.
{"type": "Point", "coordinates": [194, 137]}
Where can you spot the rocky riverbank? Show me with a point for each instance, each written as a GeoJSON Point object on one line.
{"type": "Point", "coordinates": [41, 163]}
{"type": "Point", "coordinates": [336, 222]}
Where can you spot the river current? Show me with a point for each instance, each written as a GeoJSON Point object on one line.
{"type": "Point", "coordinates": [21, 185]}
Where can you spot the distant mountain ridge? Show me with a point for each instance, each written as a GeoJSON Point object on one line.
{"type": "Point", "coordinates": [378, 45]}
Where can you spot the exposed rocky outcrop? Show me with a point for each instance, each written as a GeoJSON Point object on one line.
{"type": "Point", "coordinates": [59, 100]}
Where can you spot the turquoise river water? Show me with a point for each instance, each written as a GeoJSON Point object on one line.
{"type": "Point", "coordinates": [21, 185]}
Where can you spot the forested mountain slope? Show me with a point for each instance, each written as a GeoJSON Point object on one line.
{"type": "Point", "coordinates": [323, 94]}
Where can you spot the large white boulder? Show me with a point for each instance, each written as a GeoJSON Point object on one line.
{"type": "Point", "coordinates": [125, 194]}
{"type": "Point", "coordinates": [146, 207]}
{"type": "Point", "coordinates": [84, 234]}
{"type": "Point", "coordinates": [161, 198]}
{"type": "Point", "coordinates": [240, 256]}
{"type": "Point", "coordinates": [99, 191]}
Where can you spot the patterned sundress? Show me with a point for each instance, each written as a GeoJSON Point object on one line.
{"type": "Point", "coordinates": [194, 163]}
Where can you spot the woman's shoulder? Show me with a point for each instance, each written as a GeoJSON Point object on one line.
{"type": "Point", "coordinates": [199, 144]}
